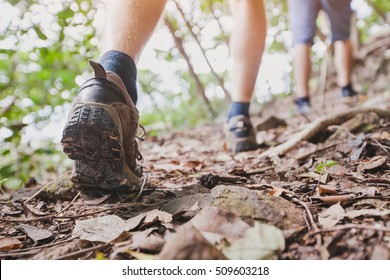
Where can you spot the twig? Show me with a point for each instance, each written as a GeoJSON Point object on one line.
{"type": "Point", "coordinates": [82, 252]}
{"type": "Point", "coordinates": [70, 204]}
{"type": "Point", "coordinates": [309, 214]}
{"type": "Point", "coordinates": [142, 188]}
{"type": "Point", "coordinates": [352, 226]}
{"type": "Point", "coordinates": [380, 146]}
{"type": "Point", "coordinates": [319, 125]}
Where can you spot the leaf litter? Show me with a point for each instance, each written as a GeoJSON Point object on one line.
{"type": "Point", "coordinates": [326, 196]}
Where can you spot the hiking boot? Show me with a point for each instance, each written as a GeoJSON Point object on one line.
{"type": "Point", "coordinates": [100, 134]}
{"type": "Point", "coordinates": [240, 134]}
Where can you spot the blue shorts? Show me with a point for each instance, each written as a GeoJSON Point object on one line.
{"type": "Point", "coordinates": [303, 16]}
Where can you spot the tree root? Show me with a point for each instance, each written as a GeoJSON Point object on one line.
{"type": "Point", "coordinates": [319, 125]}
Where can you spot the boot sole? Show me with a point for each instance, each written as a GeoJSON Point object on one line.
{"type": "Point", "coordinates": [94, 142]}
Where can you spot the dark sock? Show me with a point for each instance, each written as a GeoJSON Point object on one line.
{"type": "Point", "coordinates": [302, 101]}
{"type": "Point", "coordinates": [347, 91]}
{"type": "Point", "coordinates": [124, 66]}
{"type": "Point", "coordinates": [239, 108]}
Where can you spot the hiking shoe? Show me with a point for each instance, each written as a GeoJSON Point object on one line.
{"type": "Point", "coordinates": [303, 105]}
{"type": "Point", "coordinates": [348, 92]}
{"type": "Point", "coordinates": [240, 134]}
{"type": "Point", "coordinates": [100, 134]}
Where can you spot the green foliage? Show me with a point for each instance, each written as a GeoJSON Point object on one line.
{"type": "Point", "coordinates": [325, 165]}
{"type": "Point", "coordinates": [37, 76]}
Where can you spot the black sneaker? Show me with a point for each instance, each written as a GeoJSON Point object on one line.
{"type": "Point", "coordinates": [348, 91]}
{"type": "Point", "coordinates": [240, 134]}
{"type": "Point", "coordinates": [303, 105]}
{"type": "Point", "coordinates": [100, 134]}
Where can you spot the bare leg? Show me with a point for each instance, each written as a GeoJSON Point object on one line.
{"type": "Point", "coordinates": [302, 69]}
{"type": "Point", "coordinates": [343, 61]}
{"type": "Point", "coordinates": [247, 46]}
{"type": "Point", "coordinates": [130, 24]}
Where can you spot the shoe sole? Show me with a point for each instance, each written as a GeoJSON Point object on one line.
{"type": "Point", "coordinates": [94, 142]}
{"type": "Point", "coordinates": [243, 145]}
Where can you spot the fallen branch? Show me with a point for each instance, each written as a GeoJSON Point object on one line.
{"type": "Point", "coordinates": [319, 125]}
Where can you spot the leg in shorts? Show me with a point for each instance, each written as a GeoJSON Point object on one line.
{"type": "Point", "coordinates": [303, 15]}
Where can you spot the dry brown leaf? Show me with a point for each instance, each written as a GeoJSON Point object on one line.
{"type": "Point", "coordinates": [157, 215]}
{"type": "Point", "coordinates": [36, 234]}
{"type": "Point", "coordinates": [338, 170]}
{"type": "Point", "coordinates": [35, 211]}
{"type": "Point", "coordinates": [331, 216]}
{"type": "Point", "coordinates": [373, 163]}
{"type": "Point", "coordinates": [278, 191]}
{"type": "Point", "coordinates": [10, 243]}
{"type": "Point", "coordinates": [103, 229]}
{"type": "Point", "coordinates": [147, 240]}
{"type": "Point", "coordinates": [135, 221]}
{"type": "Point", "coordinates": [98, 201]}
{"type": "Point", "coordinates": [189, 244]}
{"type": "Point", "coordinates": [218, 221]}
{"type": "Point", "coordinates": [315, 176]}
{"type": "Point", "coordinates": [327, 190]}
{"type": "Point", "coordinates": [333, 199]}
{"type": "Point", "coordinates": [380, 252]}
{"type": "Point", "coordinates": [381, 135]}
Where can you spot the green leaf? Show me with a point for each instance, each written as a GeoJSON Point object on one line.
{"type": "Point", "coordinates": [326, 164]}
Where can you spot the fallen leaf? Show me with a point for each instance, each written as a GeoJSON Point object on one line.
{"type": "Point", "coordinates": [278, 191]}
{"type": "Point", "coordinates": [223, 157]}
{"type": "Point", "coordinates": [259, 242]}
{"type": "Point", "coordinates": [331, 216]}
{"type": "Point", "coordinates": [355, 154]}
{"type": "Point", "coordinates": [313, 175]}
{"type": "Point", "coordinates": [221, 222]}
{"type": "Point", "coordinates": [147, 240]}
{"type": "Point", "coordinates": [98, 201]}
{"type": "Point", "coordinates": [327, 189]}
{"type": "Point", "coordinates": [35, 211]}
{"type": "Point", "coordinates": [10, 243]}
{"type": "Point", "coordinates": [189, 244]}
{"type": "Point", "coordinates": [333, 199]}
{"type": "Point", "coordinates": [184, 204]}
{"type": "Point", "coordinates": [135, 221]}
{"type": "Point", "coordinates": [142, 256]}
{"type": "Point", "coordinates": [103, 229]}
{"type": "Point", "coordinates": [338, 170]}
{"type": "Point", "coordinates": [157, 215]}
{"type": "Point", "coordinates": [380, 252]}
{"type": "Point", "coordinates": [36, 234]}
{"type": "Point", "coordinates": [373, 163]}
{"type": "Point", "coordinates": [367, 212]}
